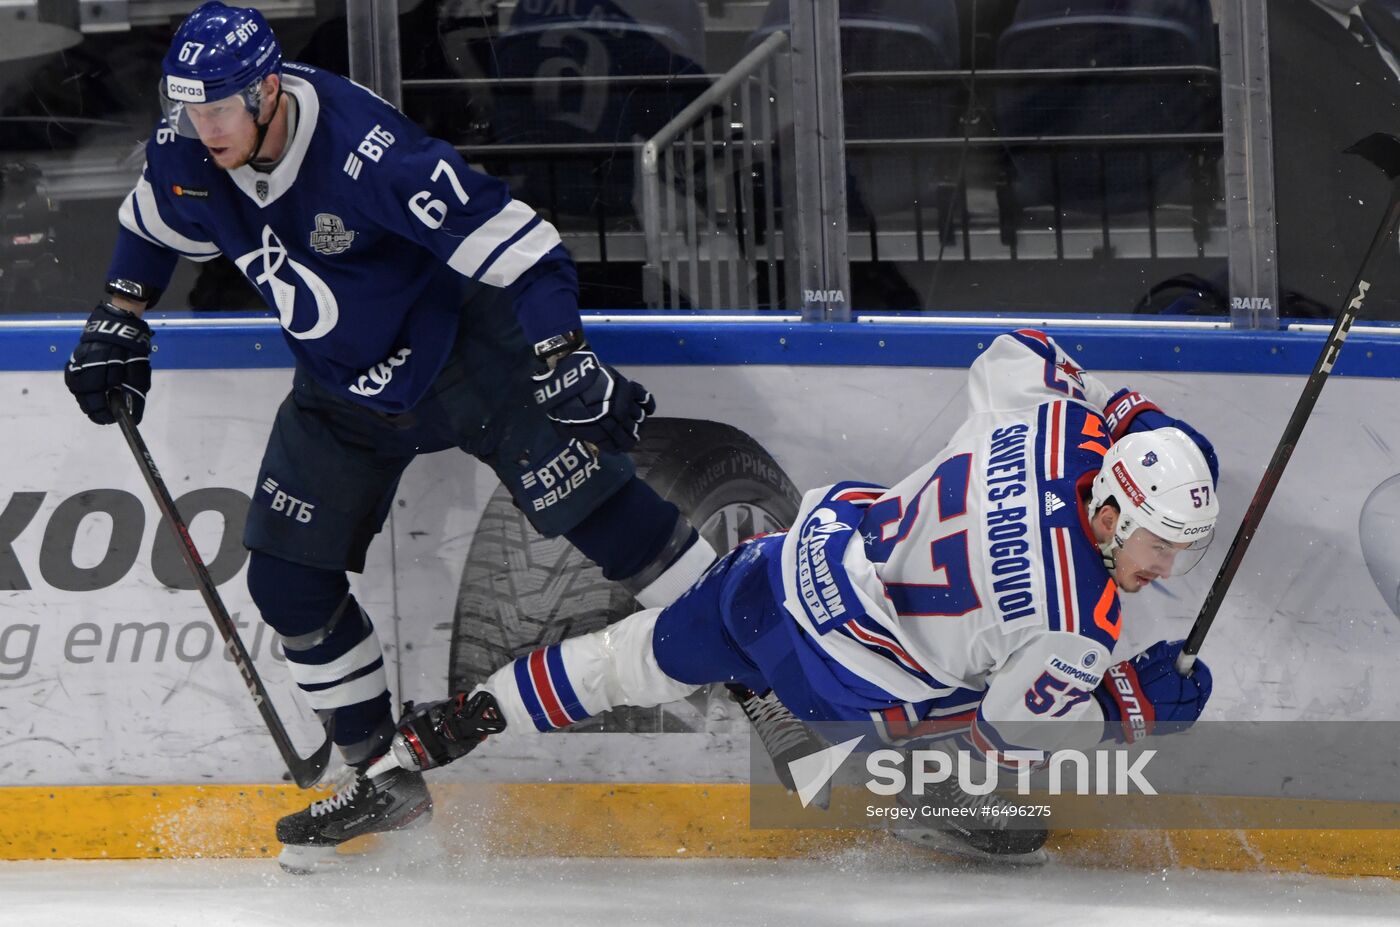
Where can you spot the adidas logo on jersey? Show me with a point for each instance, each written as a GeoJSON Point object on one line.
{"type": "Point", "coordinates": [1053, 504]}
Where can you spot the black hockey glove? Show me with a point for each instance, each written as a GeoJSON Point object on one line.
{"type": "Point", "coordinates": [593, 402]}
{"type": "Point", "coordinates": [436, 733]}
{"type": "Point", "coordinates": [114, 353]}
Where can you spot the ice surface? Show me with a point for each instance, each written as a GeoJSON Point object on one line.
{"type": "Point", "coordinates": [884, 886]}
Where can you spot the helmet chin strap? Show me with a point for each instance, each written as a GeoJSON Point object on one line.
{"type": "Point", "coordinates": [1108, 552]}
{"type": "Point", "coordinates": [262, 127]}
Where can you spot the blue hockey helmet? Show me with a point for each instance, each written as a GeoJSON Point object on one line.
{"type": "Point", "coordinates": [218, 52]}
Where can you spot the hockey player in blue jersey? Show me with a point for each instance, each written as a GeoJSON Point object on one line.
{"type": "Point", "coordinates": [427, 310]}
{"type": "Point", "coordinates": [977, 598]}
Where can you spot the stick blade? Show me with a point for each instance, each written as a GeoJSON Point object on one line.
{"type": "Point", "coordinates": [1382, 150]}
{"type": "Point", "coordinates": [307, 772]}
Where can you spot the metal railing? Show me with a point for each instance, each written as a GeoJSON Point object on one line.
{"type": "Point", "coordinates": [706, 161]}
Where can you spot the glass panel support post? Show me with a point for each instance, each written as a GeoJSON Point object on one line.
{"type": "Point", "coordinates": [1249, 164]}
{"type": "Point", "coordinates": [819, 272]}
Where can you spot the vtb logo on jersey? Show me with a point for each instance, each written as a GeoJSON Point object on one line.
{"type": "Point", "coordinates": [264, 267]}
{"type": "Point", "coordinates": [330, 235]}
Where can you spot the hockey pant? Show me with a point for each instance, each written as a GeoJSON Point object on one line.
{"type": "Point", "coordinates": [729, 627]}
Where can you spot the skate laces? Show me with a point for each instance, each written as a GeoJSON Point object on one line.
{"type": "Point", "coordinates": [340, 778]}
{"type": "Point", "coordinates": [337, 801]}
{"type": "Point", "coordinates": [779, 728]}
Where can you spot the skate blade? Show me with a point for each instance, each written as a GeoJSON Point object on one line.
{"type": "Point", "coordinates": [306, 860]}
{"type": "Point", "coordinates": [950, 845]}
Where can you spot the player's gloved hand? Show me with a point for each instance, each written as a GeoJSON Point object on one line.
{"type": "Point", "coordinates": [436, 733]}
{"type": "Point", "coordinates": [593, 402]}
{"type": "Point", "coordinates": [1146, 694]}
{"type": "Point", "coordinates": [114, 353]}
{"type": "Point", "coordinates": [1130, 411]}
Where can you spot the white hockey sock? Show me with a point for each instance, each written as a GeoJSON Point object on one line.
{"type": "Point", "coordinates": [566, 682]}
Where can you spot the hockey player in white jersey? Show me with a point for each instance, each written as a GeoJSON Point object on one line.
{"type": "Point", "coordinates": [978, 597]}
{"type": "Point", "coordinates": [427, 310]}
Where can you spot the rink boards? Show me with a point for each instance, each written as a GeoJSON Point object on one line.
{"type": "Point", "coordinates": [114, 683]}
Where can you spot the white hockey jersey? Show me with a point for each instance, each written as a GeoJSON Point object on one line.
{"type": "Point", "coordinates": [971, 596]}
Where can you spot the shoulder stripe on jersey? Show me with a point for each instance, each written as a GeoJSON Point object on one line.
{"type": "Point", "coordinates": [1034, 335]}
{"type": "Point", "coordinates": [1055, 440]}
{"type": "Point", "coordinates": [860, 494]}
{"type": "Point", "coordinates": [1064, 577]}
{"type": "Point", "coordinates": [147, 213]}
{"type": "Point", "coordinates": [472, 253]}
{"type": "Point", "coordinates": [522, 255]}
{"type": "Point", "coordinates": [126, 215]}
{"type": "Point", "coordinates": [1062, 376]}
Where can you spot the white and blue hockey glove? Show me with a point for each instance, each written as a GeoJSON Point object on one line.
{"type": "Point", "coordinates": [1146, 695]}
{"type": "Point", "coordinates": [592, 402]}
{"type": "Point", "coordinates": [114, 353]}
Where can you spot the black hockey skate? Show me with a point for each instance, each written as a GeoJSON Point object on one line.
{"type": "Point", "coordinates": [979, 827]}
{"type": "Point", "coordinates": [436, 733]}
{"type": "Point", "coordinates": [784, 736]}
{"type": "Point", "coordinates": [396, 800]}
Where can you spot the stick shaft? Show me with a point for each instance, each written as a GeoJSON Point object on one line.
{"type": "Point", "coordinates": [1289, 440]}
{"type": "Point", "coordinates": [300, 769]}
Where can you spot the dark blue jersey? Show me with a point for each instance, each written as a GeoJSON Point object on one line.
{"type": "Point", "coordinates": [368, 238]}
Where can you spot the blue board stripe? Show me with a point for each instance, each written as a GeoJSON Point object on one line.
{"type": "Point", "coordinates": [252, 341]}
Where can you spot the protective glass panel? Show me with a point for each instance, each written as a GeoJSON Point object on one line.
{"type": "Point", "coordinates": [1335, 79]}
{"type": "Point", "coordinates": [1033, 156]}
{"type": "Point", "coordinates": [560, 98]}
{"type": "Point", "coordinates": [78, 100]}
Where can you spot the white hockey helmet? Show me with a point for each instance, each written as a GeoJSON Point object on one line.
{"type": "Point", "coordinates": [1162, 485]}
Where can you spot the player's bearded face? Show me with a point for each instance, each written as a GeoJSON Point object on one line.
{"type": "Point", "coordinates": [226, 129]}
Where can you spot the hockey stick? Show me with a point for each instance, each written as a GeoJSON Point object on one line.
{"type": "Point", "coordinates": [305, 772]}
{"type": "Point", "coordinates": [1383, 151]}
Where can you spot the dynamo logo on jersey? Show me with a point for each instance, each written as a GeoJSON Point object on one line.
{"type": "Point", "coordinates": [264, 266]}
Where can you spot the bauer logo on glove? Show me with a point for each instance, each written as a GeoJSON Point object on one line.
{"type": "Point", "coordinates": [113, 355]}
{"type": "Point", "coordinates": [583, 372]}
{"type": "Point", "coordinates": [592, 402]}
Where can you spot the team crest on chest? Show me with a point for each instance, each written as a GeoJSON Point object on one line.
{"type": "Point", "coordinates": [330, 235]}
{"type": "Point", "coordinates": [261, 189]}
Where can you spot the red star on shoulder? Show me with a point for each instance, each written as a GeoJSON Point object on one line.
{"type": "Point", "coordinates": [1067, 367]}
